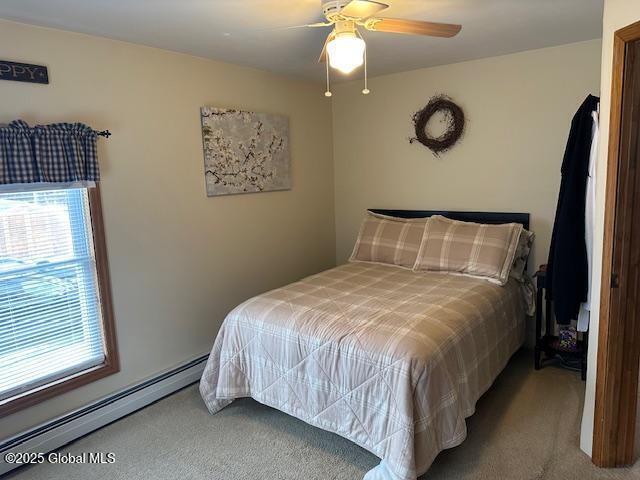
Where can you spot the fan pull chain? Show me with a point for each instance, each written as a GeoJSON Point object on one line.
{"type": "Point", "coordinates": [328, 92]}
{"type": "Point", "coordinates": [365, 90]}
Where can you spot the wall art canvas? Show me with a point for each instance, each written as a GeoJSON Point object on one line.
{"type": "Point", "coordinates": [244, 152]}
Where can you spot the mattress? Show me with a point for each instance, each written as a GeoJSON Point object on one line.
{"type": "Point", "coordinates": [390, 359]}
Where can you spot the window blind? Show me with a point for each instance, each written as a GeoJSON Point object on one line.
{"type": "Point", "coordinates": [50, 315]}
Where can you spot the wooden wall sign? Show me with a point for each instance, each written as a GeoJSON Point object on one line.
{"type": "Point", "coordinates": [23, 72]}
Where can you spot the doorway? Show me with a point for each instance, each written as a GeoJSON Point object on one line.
{"type": "Point", "coordinates": [619, 339]}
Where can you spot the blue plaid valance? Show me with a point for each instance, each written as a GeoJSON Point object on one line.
{"type": "Point", "coordinates": [60, 152]}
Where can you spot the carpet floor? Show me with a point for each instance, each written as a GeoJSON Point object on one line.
{"type": "Point", "coordinates": [525, 427]}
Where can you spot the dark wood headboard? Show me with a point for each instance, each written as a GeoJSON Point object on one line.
{"type": "Point", "coordinates": [478, 217]}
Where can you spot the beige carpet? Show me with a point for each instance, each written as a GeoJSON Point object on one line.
{"type": "Point", "coordinates": [526, 427]}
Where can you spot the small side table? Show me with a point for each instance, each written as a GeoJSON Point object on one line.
{"type": "Point", "coordinates": [549, 343]}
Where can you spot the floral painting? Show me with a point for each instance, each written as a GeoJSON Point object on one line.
{"type": "Point", "coordinates": [245, 151]}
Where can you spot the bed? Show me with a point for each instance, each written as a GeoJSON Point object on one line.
{"type": "Point", "coordinates": [388, 358]}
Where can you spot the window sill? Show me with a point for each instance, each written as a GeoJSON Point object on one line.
{"type": "Point", "coordinates": [44, 392]}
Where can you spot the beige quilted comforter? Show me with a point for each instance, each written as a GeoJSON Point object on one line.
{"type": "Point", "coordinates": [390, 359]}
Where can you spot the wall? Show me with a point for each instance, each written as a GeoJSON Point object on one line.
{"type": "Point", "coordinates": [617, 14]}
{"type": "Point", "coordinates": [179, 260]}
{"type": "Point", "coordinates": [519, 108]}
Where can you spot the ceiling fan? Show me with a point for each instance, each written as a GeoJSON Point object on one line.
{"type": "Point", "coordinates": [345, 47]}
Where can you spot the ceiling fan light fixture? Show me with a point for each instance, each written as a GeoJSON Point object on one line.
{"type": "Point", "coordinates": [346, 52]}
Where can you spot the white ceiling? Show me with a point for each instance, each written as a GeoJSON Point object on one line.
{"type": "Point", "coordinates": [247, 32]}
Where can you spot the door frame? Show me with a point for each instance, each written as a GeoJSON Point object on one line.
{"type": "Point", "coordinates": [618, 340]}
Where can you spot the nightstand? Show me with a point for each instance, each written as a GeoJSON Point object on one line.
{"type": "Point", "coordinates": [548, 343]}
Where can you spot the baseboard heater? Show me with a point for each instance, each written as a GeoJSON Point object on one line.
{"type": "Point", "coordinates": [71, 426]}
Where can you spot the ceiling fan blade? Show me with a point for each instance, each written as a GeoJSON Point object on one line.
{"type": "Point", "coordinates": [363, 8]}
{"type": "Point", "coordinates": [323, 54]}
{"type": "Point", "coordinates": [316, 25]}
{"type": "Point", "coordinates": [309, 25]}
{"type": "Point", "coordinates": [413, 27]}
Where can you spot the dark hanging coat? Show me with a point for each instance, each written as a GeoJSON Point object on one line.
{"type": "Point", "coordinates": [567, 269]}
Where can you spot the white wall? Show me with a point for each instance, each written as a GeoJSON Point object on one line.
{"type": "Point", "coordinates": [179, 260]}
{"type": "Point", "coordinates": [518, 107]}
{"type": "Point", "coordinates": [617, 14]}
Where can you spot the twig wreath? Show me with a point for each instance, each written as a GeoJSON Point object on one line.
{"type": "Point", "coordinates": [454, 124]}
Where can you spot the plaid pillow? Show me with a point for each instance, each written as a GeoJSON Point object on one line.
{"type": "Point", "coordinates": [389, 240]}
{"type": "Point", "coordinates": [468, 248]}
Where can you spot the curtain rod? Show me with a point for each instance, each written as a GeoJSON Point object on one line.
{"type": "Point", "coordinates": [102, 133]}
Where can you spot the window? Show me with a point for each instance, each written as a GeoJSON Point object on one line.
{"type": "Point", "coordinates": [56, 330]}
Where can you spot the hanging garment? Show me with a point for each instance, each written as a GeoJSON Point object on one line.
{"type": "Point", "coordinates": [567, 267]}
{"type": "Point", "coordinates": [589, 223]}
